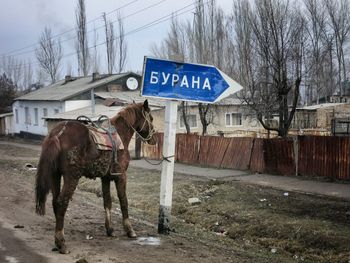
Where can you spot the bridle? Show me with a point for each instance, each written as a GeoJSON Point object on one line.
{"type": "Point", "coordinates": [152, 131]}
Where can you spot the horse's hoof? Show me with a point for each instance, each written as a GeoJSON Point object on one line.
{"type": "Point", "coordinates": [64, 250]}
{"type": "Point", "coordinates": [110, 232]}
{"type": "Point", "coordinates": [132, 234]}
{"type": "Point", "coordinates": [54, 249]}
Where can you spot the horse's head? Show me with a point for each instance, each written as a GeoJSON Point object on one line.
{"type": "Point", "coordinates": [145, 126]}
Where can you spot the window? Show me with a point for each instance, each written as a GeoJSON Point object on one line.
{"type": "Point", "coordinates": [36, 117]}
{"type": "Point", "coordinates": [27, 115]}
{"type": "Point", "coordinates": [191, 119]}
{"type": "Point", "coordinates": [45, 115]}
{"type": "Point", "coordinates": [16, 115]}
{"type": "Point", "coordinates": [233, 119]}
{"type": "Point", "coordinates": [56, 111]}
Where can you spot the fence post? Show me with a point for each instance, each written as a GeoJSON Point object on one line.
{"type": "Point", "coordinates": [296, 153]}
{"type": "Point", "coordinates": [251, 154]}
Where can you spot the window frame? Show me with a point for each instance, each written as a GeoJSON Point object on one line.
{"type": "Point", "coordinates": [16, 116]}
{"type": "Point", "coordinates": [231, 114]}
{"type": "Point", "coordinates": [183, 123]}
{"type": "Point", "coordinates": [27, 119]}
{"type": "Point", "coordinates": [36, 117]}
{"type": "Point", "coordinates": [45, 113]}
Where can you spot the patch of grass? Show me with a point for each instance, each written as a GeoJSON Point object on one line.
{"type": "Point", "coordinates": [246, 218]}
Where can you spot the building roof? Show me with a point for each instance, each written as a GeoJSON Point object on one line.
{"type": "Point", "coordinates": [320, 106]}
{"type": "Point", "coordinates": [60, 90]}
{"type": "Point", "coordinates": [100, 109]}
{"type": "Point", "coordinates": [6, 114]}
{"type": "Point", "coordinates": [129, 97]}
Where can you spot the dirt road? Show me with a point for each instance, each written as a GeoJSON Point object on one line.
{"type": "Point", "coordinates": [234, 223]}
{"type": "Point", "coordinates": [26, 237]}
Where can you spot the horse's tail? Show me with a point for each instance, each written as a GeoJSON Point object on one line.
{"type": "Point", "coordinates": [47, 168]}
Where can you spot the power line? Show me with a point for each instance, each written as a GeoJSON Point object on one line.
{"type": "Point", "coordinates": [63, 33]}
{"type": "Point", "coordinates": [141, 28]}
{"type": "Point", "coordinates": [66, 40]}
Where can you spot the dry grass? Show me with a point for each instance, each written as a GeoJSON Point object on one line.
{"type": "Point", "coordinates": [251, 218]}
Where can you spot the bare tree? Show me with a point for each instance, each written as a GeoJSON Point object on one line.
{"type": "Point", "coordinates": [121, 45]}
{"type": "Point", "coordinates": [339, 21]}
{"type": "Point", "coordinates": [7, 93]}
{"type": "Point", "coordinates": [49, 54]}
{"type": "Point", "coordinates": [174, 45]}
{"type": "Point", "coordinates": [96, 55]}
{"type": "Point", "coordinates": [27, 76]}
{"type": "Point", "coordinates": [110, 44]}
{"type": "Point", "coordinates": [208, 39]}
{"type": "Point", "coordinates": [315, 48]}
{"type": "Point", "coordinates": [13, 68]}
{"type": "Point", "coordinates": [270, 56]}
{"type": "Point", "coordinates": [82, 40]}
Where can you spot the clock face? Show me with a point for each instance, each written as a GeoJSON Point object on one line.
{"type": "Point", "coordinates": [132, 83]}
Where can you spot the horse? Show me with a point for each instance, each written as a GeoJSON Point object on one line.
{"type": "Point", "coordinates": [68, 151]}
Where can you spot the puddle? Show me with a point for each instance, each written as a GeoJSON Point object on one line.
{"type": "Point", "coordinates": [11, 259]}
{"type": "Point", "coordinates": [148, 241]}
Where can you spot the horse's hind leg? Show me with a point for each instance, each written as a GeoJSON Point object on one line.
{"type": "Point", "coordinates": [121, 189]}
{"type": "Point", "coordinates": [107, 203]}
{"type": "Point", "coordinates": [69, 185]}
{"type": "Point", "coordinates": [55, 189]}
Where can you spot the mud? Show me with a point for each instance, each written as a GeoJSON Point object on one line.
{"type": "Point", "coordinates": [231, 224]}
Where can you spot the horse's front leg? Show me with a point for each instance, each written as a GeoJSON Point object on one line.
{"type": "Point", "coordinates": [107, 203]}
{"type": "Point", "coordinates": [120, 183]}
{"type": "Point", "coordinates": [69, 185]}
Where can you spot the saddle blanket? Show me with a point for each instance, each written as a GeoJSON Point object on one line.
{"type": "Point", "coordinates": [103, 141]}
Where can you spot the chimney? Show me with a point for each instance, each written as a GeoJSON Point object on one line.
{"type": "Point", "coordinates": [67, 78]}
{"type": "Point", "coordinates": [95, 76]}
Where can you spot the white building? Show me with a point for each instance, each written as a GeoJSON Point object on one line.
{"type": "Point", "coordinates": [65, 95]}
{"type": "Point", "coordinates": [6, 124]}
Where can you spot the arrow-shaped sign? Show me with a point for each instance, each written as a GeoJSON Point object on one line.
{"type": "Point", "coordinates": [184, 81]}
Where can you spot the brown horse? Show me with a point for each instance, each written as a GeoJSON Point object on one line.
{"type": "Point", "coordinates": [68, 151]}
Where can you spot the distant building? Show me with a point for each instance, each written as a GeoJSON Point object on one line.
{"type": "Point", "coordinates": [6, 124]}
{"type": "Point", "coordinates": [318, 119]}
{"type": "Point", "coordinates": [30, 110]}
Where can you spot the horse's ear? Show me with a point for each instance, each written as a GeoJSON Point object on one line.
{"type": "Point", "coordinates": [145, 105]}
{"type": "Point", "coordinates": [133, 102]}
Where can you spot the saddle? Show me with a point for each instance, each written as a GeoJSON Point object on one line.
{"type": "Point", "coordinates": [105, 137]}
{"type": "Point", "coordinates": [104, 140]}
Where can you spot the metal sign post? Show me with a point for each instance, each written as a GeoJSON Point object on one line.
{"type": "Point", "coordinates": [174, 81]}
{"type": "Point", "coordinates": [166, 184]}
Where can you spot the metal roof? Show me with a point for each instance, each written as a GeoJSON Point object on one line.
{"type": "Point", "coordinates": [6, 114]}
{"type": "Point", "coordinates": [100, 109]}
{"type": "Point", "coordinates": [60, 90]}
{"type": "Point", "coordinates": [320, 106]}
{"type": "Point", "coordinates": [129, 97]}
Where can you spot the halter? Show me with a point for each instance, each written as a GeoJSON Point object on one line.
{"type": "Point", "coordinates": [152, 131]}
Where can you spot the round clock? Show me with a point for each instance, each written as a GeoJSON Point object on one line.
{"type": "Point", "coordinates": [132, 83]}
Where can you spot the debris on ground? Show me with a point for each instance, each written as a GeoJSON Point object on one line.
{"type": "Point", "coordinates": [30, 167]}
{"type": "Point", "coordinates": [286, 194]}
{"type": "Point", "coordinates": [148, 241]}
{"type": "Point", "coordinates": [18, 226]}
{"type": "Point", "coordinates": [194, 201]}
{"type": "Point", "coordinates": [88, 237]}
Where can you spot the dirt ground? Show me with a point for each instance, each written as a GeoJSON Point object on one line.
{"type": "Point", "coordinates": [235, 222]}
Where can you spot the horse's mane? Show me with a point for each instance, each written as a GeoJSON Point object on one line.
{"type": "Point", "coordinates": [130, 113]}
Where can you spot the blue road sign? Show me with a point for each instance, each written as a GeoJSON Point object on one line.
{"type": "Point", "coordinates": [184, 81]}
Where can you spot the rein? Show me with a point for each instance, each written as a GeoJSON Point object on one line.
{"type": "Point", "coordinates": [148, 120]}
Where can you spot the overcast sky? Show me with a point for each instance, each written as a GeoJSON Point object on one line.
{"type": "Point", "coordinates": [22, 21]}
